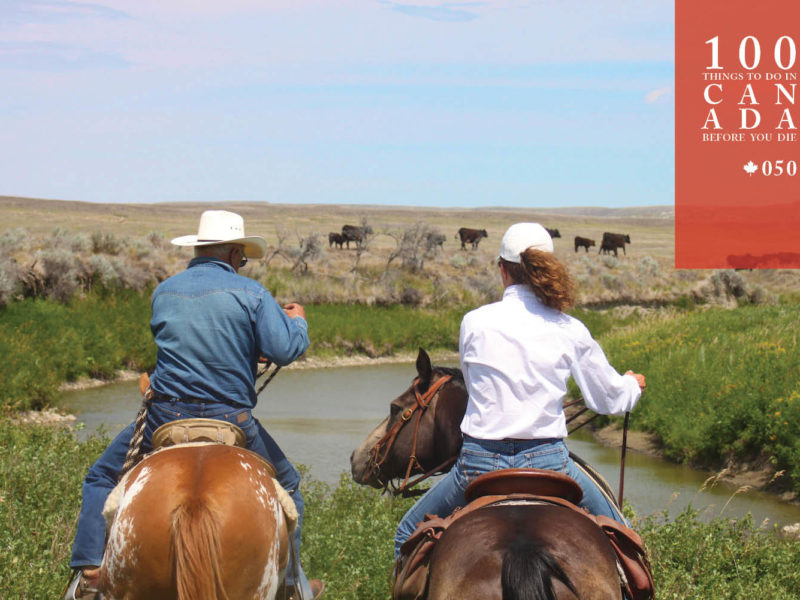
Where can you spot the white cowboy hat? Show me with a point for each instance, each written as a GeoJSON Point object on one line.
{"type": "Point", "coordinates": [223, 227]}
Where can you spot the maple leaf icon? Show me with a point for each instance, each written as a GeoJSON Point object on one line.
{"type": "Point", "coordinates": [751, 168]}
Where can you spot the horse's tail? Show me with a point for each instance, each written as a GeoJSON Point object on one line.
{"type": "Point", "coordinates": [196, 543]}
{"type": "Point", "coordinates": [528, 572]}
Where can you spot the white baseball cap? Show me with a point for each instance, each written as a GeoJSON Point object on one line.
{"type": "Point", "coordinates": [521, 236]}
{"type": "Point", "coordinates": [223, 227]}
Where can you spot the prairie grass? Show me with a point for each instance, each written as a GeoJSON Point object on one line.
{"type": "Point", "coordinates": [348, 532]}
{"type": "Point", "coordinates": [40, 256]}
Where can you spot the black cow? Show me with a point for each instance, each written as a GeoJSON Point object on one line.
{"type": "Point", "coordinates": [351, 233]}
{"type": "Point", "coordinates": [582, 242]}
{"type": "Point", "coordinates": [433, 239]}
{"type": "Point", "coordinates": [471, 236]}
{"type": "Point", "coordinates": [335, 238]}
{"type": "Point", "coordinates": [612, 241]}
{"type": "Point", "coordinates": [553, 232]}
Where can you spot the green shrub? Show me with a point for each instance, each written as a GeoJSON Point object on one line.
{"type": "Point", "coordinates": [43, 344]}
{"type": "Point", "coordinates": [721, 383]}
{"type": "Point", "coordinates": [380, 330]}
{"type": "Point", "coordinates": [724, 559]}
{"type": "Point", "coordinates": [41, 470]}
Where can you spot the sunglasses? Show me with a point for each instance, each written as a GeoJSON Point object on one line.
{"type": "Point", "coordinates": [243, 262]}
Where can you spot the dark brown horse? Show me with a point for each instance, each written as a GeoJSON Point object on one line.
{"type": "Point", "coordinates": [197, 522]}
{"type": "Point", "coordinates": [507, 552]}
{"type": "Point", "coordinates": [423, 423]}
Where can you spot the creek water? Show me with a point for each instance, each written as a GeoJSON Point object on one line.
{"type": "Point", "coordinates": [319, 416]}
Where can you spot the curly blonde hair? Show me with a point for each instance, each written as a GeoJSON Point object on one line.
{"type": "Point", "coordinates": [546, 276]}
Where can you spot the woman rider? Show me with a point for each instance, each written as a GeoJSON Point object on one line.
{"type": "Point", "coordinates": [517, 356]}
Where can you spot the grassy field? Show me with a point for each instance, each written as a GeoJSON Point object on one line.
{"type": "Point", "coordinates": [87, 270]}
{"type": "Point", "coordinates": [348, 533]}
{"type": "Point", "coordinates": [139, 234]}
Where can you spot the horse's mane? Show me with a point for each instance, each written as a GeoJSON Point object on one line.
{"type": "Point", "coordinates": [454, 372]}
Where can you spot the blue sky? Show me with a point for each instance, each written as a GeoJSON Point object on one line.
{"type": "Point", "coordinates": [531, 103]}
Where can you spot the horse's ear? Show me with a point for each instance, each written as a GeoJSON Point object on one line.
{"type": "Point", "coordinates": [424, 368]}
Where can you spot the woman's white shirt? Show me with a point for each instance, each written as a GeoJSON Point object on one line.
{"type": "Point", "coordinates": [517, 356]}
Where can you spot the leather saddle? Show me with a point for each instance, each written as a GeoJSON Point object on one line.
{"type": "Point", "coordinates": [527, 485]}
{"type": "Point", "coordinates": [184, 431]}
{"type": "Point", "coordinates": [537, 482]}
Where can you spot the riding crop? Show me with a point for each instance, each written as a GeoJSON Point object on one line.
{"type": "Point", "coordinates": [622, 459]}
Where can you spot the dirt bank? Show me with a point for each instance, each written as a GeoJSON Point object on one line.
{"type": "Point", "coordinates": [758, 475]}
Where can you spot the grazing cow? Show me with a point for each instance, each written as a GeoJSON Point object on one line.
{"type": "Point", "coordinates": [582, 242]}
{"type": "Point", "coordinates": [471, 236]}
{"type": "Point", "coordinates": [433, 239]}
{"type": "Point", "coordinates": [351, 233]}
{"type": "Point", "coordinates": [612, 241]}
{"type": "Point", "coordinates": [553, 232]}
{"type": "Point", "coordinates": [335, 238]}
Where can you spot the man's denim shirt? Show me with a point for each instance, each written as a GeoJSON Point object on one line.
{"type": "Point", "coordinates": [211, 325]}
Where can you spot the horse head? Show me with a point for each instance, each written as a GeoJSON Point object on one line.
{"type": "Point", "coordinates": [421, 433]}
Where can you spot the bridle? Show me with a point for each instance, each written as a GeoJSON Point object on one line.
{"type": "Point", "coordinates": [380, 451]}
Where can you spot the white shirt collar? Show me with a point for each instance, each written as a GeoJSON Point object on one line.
{"type": "Point", "coordinates": [521, 291]}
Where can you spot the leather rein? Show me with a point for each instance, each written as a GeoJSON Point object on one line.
{"type": "Point", "coordinates": [380, 451]}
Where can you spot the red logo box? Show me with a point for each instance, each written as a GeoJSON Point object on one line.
{"type": "Point", "coordinates": [737, 136]}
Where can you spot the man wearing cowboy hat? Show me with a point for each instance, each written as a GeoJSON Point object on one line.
{"type": "Point", "coordinates": [211, 327]}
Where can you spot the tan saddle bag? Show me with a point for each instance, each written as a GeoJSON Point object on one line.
{"type": "Point", "coordinates": [185, 431]}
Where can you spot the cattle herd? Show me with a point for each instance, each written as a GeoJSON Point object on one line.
{"type": "Point", "coordinates": [611, 242]}
{"type": "Point", "coordinates": [350, 233]}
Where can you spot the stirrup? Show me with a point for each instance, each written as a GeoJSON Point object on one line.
{"type": "Point", "coordinates": [80, 588]}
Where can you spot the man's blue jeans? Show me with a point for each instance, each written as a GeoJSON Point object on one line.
{"type": "Point", "coordinates": [89, 541]}
{"type": "Point", "coordinates": [481, 456]}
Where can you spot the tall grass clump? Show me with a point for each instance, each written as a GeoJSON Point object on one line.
{"type": "Point", "coordinates": [723, 385]}
{"type": "Point", "coordinates": [724, 559]}
{"type": "Point", "coordinates": [41, 470]}
{"type": "Point", "coordinates": [380, 330]}
{"type": "Point", "coordinates": [348, 538]}
{"type": "Point", "coordinates": [43, 344]}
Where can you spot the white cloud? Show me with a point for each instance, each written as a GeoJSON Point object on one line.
{"type": "Point", "coordinates": [655, 95]}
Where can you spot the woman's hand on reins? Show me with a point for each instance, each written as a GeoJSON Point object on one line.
{"type": "Point", "coordinates": [639, 379]}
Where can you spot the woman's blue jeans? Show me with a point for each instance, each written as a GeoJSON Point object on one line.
{"type": "Point", "coordinates": [103, 475]}
{"type": "Point", "coordinates": [481, 456]}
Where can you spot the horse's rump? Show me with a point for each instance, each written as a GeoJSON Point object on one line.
{"type": "Point", "coordinates": [555, 549]}
{"type": "Point", "coordinates": [465, 553]}
{"type": "Point", "coordinates": [197, 522]}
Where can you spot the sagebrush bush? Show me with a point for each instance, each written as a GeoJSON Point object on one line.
{"type": "Point", "coordinates": [9, 280]}
{"type": "Point", "coordinates": [611, 262]}
{"type": "Point", "coordinates": [106, 243]}
{"type": "Point", "coordinates": [62, 273]}
{"type": "Point", "coordinates": [647, 266]}
{"type": "Point", "coordinates": [65, 239]}
{"type": "Point", "coordinates": [14, 240]}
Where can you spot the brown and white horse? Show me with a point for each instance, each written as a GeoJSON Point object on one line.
{"type": "Point", "coordinates": [197, 522]}
{"type": "Point", "coordinates": [510, 552]}
{"type": "Point", "coordinates": [420, 435]}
